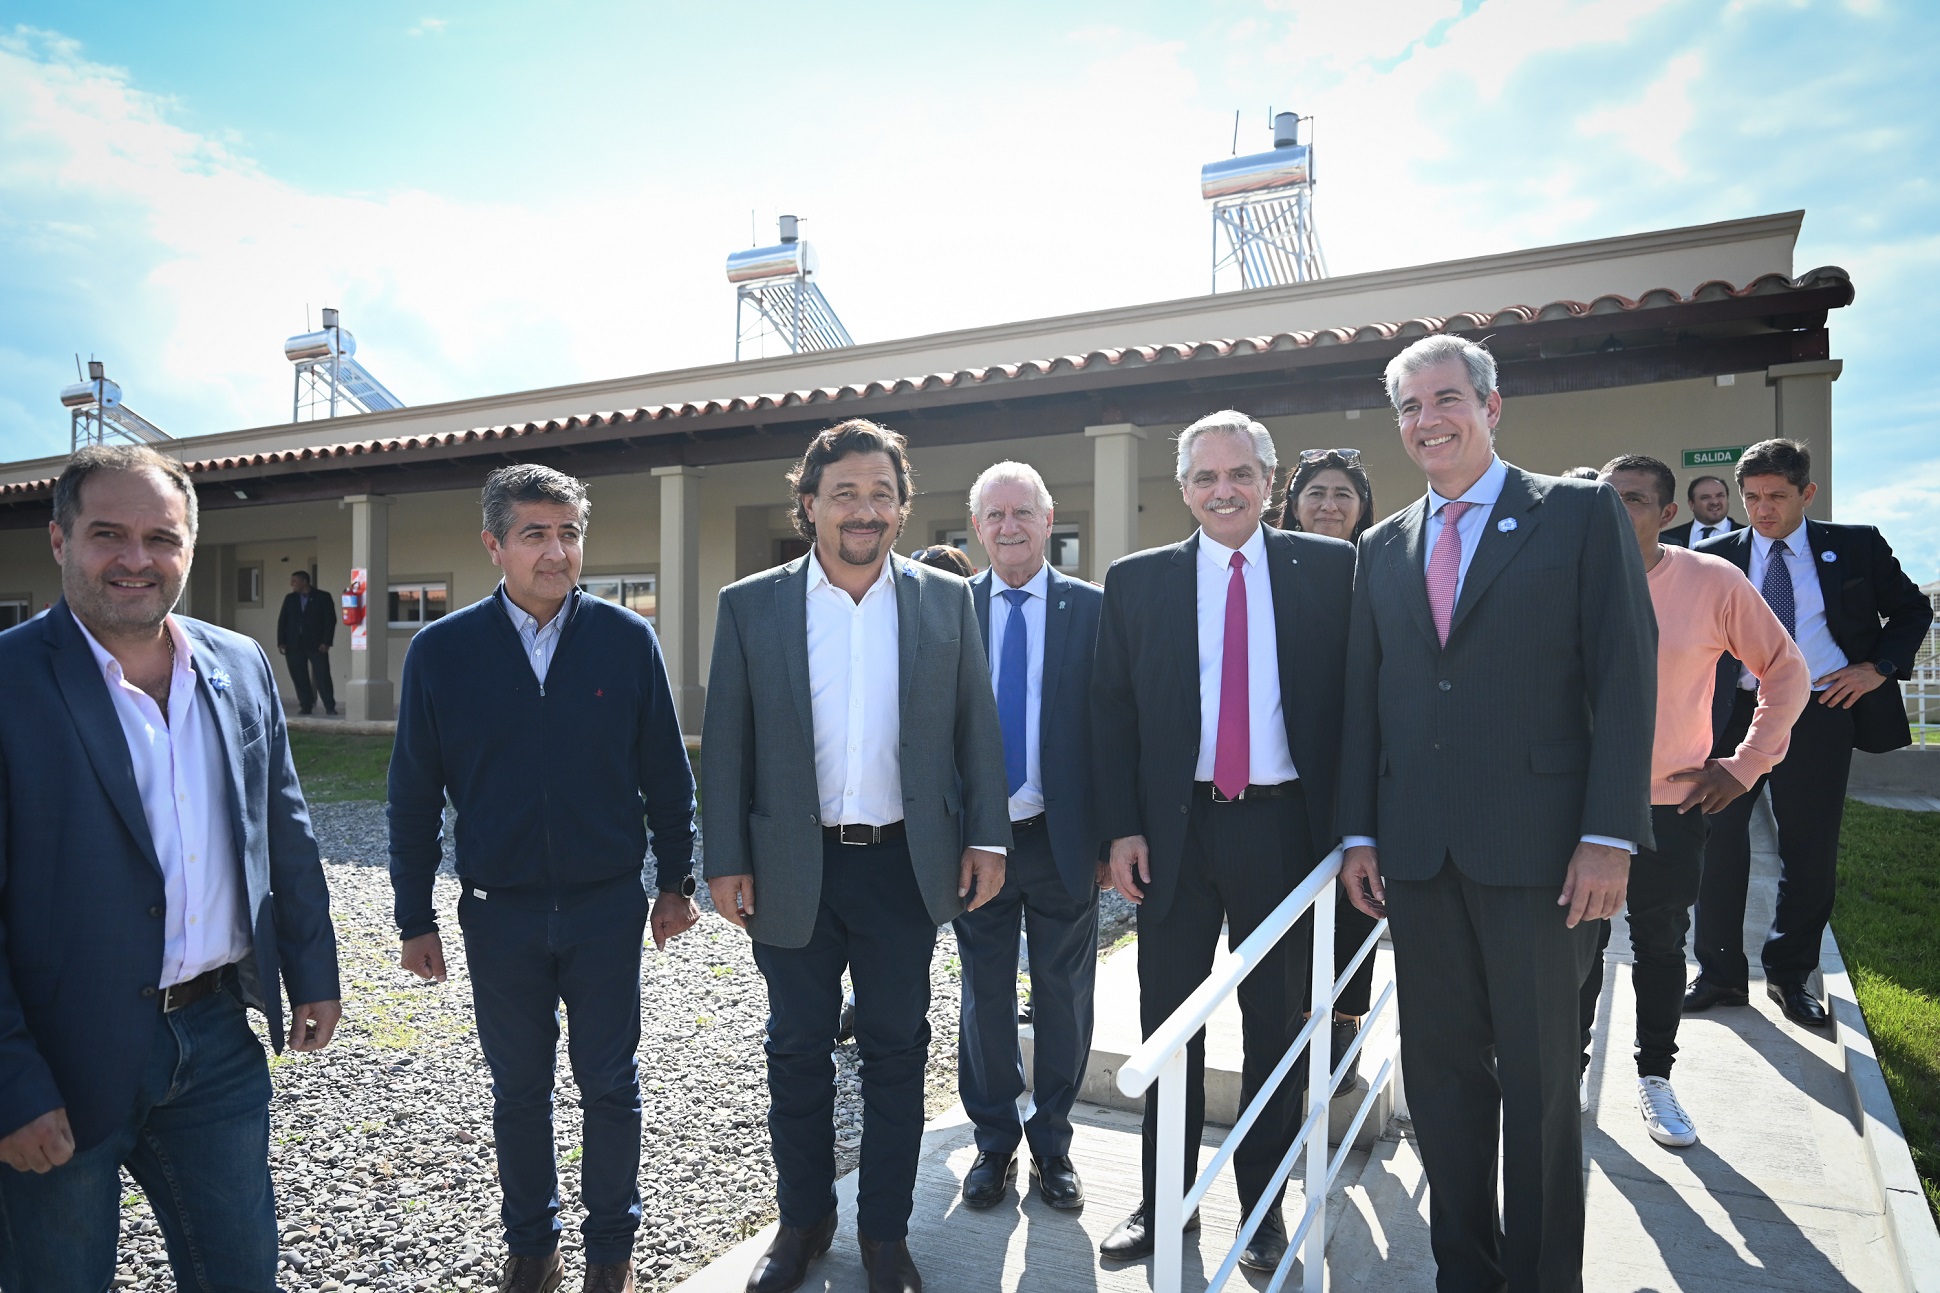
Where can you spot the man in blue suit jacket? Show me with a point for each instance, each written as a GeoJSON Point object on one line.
{"type": "Point", "coordinates": [157, 874]}
{"type": "Point", "coordinates": [1045, 627]}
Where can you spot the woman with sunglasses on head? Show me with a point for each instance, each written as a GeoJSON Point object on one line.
{"type": "Point", "coordinates": [1329, 494]}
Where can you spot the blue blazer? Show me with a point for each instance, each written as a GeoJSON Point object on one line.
{"type": "Point", "coordinates": [81, 897]}
{"type": "Point", "coordinates": [1064, 721]}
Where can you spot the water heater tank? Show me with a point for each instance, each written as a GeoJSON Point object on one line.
{"type": "Point", "coordinates": [83, 395]}
{"type": "Point", "coordinates": [319, 345]}
{"type": "Point", "coordinates": [784, 260]}
{"type": "Point", "coordinates": [1256, 173]}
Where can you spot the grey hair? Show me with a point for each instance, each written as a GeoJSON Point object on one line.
{"type": "Point", "coordinates": [528, 482]}
{"type": "Point", "coordinates": [1440, 348]}
{"type": "Point", "coordinates": [1021, 472]}
{"type": "Point", "coordinates": [1232, 422]}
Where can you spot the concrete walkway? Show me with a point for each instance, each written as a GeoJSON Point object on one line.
{"type": "Point", "coordinates": [1778, 1195]}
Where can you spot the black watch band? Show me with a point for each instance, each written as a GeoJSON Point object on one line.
{"type": "Point", "coordinates": [685, 888]}
{"type": "Point", "coordinates": [1887, 669]}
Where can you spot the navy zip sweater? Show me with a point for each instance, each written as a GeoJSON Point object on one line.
{"type": "Point", "coordinates": [550, 782]}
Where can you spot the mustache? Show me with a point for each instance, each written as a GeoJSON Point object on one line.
{"type": "Point", "coordinates": [864, 527]}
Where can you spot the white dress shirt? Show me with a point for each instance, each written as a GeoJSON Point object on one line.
{"type": "Point", "coordinates": [1029, 799]}
{"type": "Point", "coordinates": [1822, 654]}
{"type": "Point", "coordinates": [539, 642]}
{"type": "Point", "coordinates": [1700, 531]}
{"type": "Point", "coordinates": [1484, 493]}
{"type": "Point", "coordinates": [1269, 762]}
{"type": "Point", "coordinates": [854, 684]}
{"type": "Point", "coordinates": [182, 775]}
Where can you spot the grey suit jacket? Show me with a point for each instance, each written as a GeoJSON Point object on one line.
{"type": "Point", "coordinates": [760, 806]}
{"type": "Point", "coordinates": [1533, 726]}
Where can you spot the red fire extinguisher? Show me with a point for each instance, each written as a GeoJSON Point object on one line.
{"type": "Point", "coordinates": [354, 600]}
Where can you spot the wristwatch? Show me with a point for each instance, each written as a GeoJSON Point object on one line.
{"type": "Point", "coordinates": [1887, 668]}
{"type": "Point", "coordinates": [685, 888]}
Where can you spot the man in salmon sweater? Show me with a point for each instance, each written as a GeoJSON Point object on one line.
{"type": "Point", "coordinates": [1705, 607]}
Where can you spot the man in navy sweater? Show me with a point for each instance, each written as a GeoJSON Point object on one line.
{"type": "Point", "coordinates": [546, 716]}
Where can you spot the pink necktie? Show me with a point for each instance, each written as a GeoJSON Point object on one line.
{"type": "Point", "coordinates": [1445, 568]}
{"type": "Point", "coordinates": [1232, 752]}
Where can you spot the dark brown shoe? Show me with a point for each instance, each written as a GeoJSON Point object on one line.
{"type": "Point", "coordinates": [531, 1274]}
{"type": "Point", "coordinates": [608, 1277]}
{"type": "Point", "coordinates": [785, 1265]}
{"type": "Point", "coordinates": [890, 1267]}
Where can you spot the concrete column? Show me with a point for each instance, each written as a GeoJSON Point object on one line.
{"type": "Point", "coordinates": [1802, 396]}
{"type": "Point", "coordinates": [1114, 508]}
{"type": "Point", "coordinates": [371, 694]}
{"type": "Point", "coordinates": [679, 594]}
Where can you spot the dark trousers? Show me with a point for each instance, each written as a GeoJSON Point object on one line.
{"type": "Point", "coordinates": [1663, 885]}
{"type": "Point", "coordinates": [1351, 928]}
{"type": "Point", "coordinates": [1063, 934]}
{"type": "Point", "coordinates": [1808, 801]}
{"type": "Point", "coordinates": [1487, 979]}
{"type": "Point", "coordinates": [197, 1143]}
{"type": "Point", "coordinates": [872, 922]}
{"type": "Point", "coordinates": [528, 951]}
{"type": "Point", "coordinates": [310, 671]}
{"type": "Point", "coordinates": [1241, 860]}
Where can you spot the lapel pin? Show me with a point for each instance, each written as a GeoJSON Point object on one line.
{"type": "Point", "coordinates": [1060, 605]}
{"type": "Point", "coordinates": [1828, 556]}
{"type": "Point", "coordinates": [1506, 524]}
{"type": "Point", "coordinates": [218, 680]}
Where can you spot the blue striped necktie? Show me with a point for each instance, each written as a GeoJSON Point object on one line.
{"type": "Point", "coordinates": [1778, 589]}
{"type": "Point", "coordinates": [1013, 683]}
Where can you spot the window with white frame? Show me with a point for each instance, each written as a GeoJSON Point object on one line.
{"type": "Point", "coordinates": [415, 605]}
{"type": "Point", "coordinates": [13, 610]}
{"type": "Point", "coordinates": [638, 593]}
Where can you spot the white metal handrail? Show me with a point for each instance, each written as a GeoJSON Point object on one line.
{"type": "Point", "coordinates": [1162, 1059]}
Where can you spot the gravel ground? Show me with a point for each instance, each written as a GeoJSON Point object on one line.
{"type": "Point", "coordinates": [381, 1146]}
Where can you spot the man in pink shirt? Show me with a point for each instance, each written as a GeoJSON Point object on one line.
{"type": "Point", "coordinates": [1705, 607]}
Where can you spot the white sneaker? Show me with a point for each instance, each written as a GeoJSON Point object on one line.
{"type": "Point", "coordinates": [1583, 1092]}
{"type": "Point", "coordinates": [1663, 1115]}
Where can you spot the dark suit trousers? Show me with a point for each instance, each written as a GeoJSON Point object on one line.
{"type": "Point", "coordinates": [872, 922]}
{"type": "Point", "coordinates": [1063, 934]}
{"type": "Point", "coordinates": [1663, 884]}
{"type": "Point", "coordinates": [310, 671]}
{"type": "Point", "coordinates": [1808, 801]}
{"type": "Point", "coordinates": [1487, 979]}
{"type": "Point", "coordinates": [1351, 928]}
{"type": "Point", "coordinates": [529, 951]}
{"type": "Point", "coordinates": [1241, 860]}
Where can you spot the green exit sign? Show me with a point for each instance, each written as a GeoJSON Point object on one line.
{"type": "Point", "coordinates": [1722, 457]}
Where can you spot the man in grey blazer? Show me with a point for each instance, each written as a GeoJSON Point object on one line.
{"type": "Point", "coordinates": [1501, 672]}
{"type": "Point", "coordinates": [849, 753]}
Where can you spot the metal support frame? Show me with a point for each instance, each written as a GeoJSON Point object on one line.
{"type": "Point", "coordinates": [1270, 238]}
{"type": "Point", "coordinates": [791, 309]}
{"type": "Point", "coordinates": [1162, 1059]}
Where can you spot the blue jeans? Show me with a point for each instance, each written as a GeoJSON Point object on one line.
{"type": "Point", "coordinates": [196, 1141]}
{"type": "Point", "coordinates": [528, 951]}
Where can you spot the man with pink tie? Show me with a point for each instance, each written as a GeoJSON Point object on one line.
{"type": "Point", "coordinates": [1216, 711]}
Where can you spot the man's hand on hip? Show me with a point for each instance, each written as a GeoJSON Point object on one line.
{"type": "Point", "coordinates": [1360, 875]}
{"type": "Point", "coordinates": [983, 871]}
{"type": "Point", "coordinates": [1131, 866]}
{"type": "Point", "coordinates": [1594, 888]}
{"type": "Point", "coordinates": [314, 1023]}
{"type": "Point", "coordinates": [673, 914]}
{"type": "Point", "coordinates": [733, 897]}
{"type": "Point", "coordinates": [41, 1146]}
{"type": "Point", "coordinates": [424, 956]}
{"type": "Point", "coordinates": [1844, 687]}
{"type": "Point", "coordinates": [1711, 787]}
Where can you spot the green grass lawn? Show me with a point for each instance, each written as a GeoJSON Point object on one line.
{"type": "Point", "coordinates": [336, 766]}
{"type": "Point", "coordinates": [1888, 910]}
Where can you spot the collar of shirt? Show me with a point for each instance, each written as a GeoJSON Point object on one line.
{"type": "Point", "coordinates": [1484, 492]}
{"type": "Point", "coordinates": [181, 679]}
{"type": "Point", "coordinates": [818, 578]}
{"type": "Point", "coordinates": [1038, 585]}
{"type": "Point", "coordinates": [1221, 556]}
{"type": "Point", "coordinates": [1796, 543]}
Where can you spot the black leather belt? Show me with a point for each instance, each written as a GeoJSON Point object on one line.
{"type": "Point", "coordinates": [1279, 790]}
{"type": "Point", "coordinates": [178, 996]}
{"type": "Point", "coordinates": [1027, 823]}
{"type": "Point", "coordinates": [863, 835]}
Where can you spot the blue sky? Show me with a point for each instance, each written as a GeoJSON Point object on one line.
{"type": "Point", "coordinates": [502, 196]}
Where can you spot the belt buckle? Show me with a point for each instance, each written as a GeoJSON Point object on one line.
{"type": "Point", "coordinates": [865, 831]}
{"type": "Point", "coordinates": [169, 1006]}
{"type": "Point", "coordinates": [1220, 798]}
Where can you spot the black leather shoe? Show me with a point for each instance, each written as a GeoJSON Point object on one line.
{"type": "Point", "coordinates": [531, 1274]}
{"type": "Point", "coordinates": [1705, 994]}
{"type": "Point", "coordinates": [1344, 1032]}
{"type": "Point", "coordinates": [1269, 1245]}
{"type": "Point", "coordinates": [890, 1267]}
{"type": "Point", "coordinates": [785, 1265]}
{"type": "Point", "coordinates": [988, 1178]}
{"type": "Point", "coordinates": [1799, 1005]}
{"type": "Point", "coordinates": [1132, 1241]}
{"type": "Point", "coordinates": [1058, 1181]}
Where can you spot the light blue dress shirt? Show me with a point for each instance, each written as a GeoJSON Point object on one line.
{"type": "Point", "coordinates": [540, 641]}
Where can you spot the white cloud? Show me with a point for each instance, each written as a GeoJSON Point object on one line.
{"type": "Point", "coordinates": [429, 27]}
{"type": "Point", "coordinates": [1654, 124]}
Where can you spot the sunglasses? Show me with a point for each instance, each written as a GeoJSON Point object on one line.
{"type": "Point", "coordinates": [1352, 457]}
